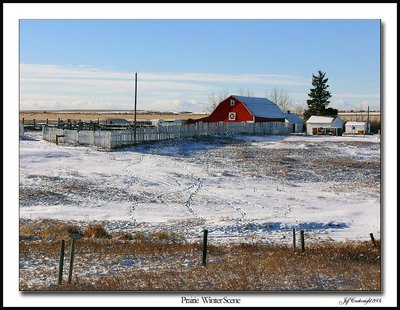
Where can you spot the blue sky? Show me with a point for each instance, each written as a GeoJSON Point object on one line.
{"type": "Point", "coordinates": [90, 64]}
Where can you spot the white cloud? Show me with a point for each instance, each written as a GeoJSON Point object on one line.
{"type": "Point", "coordinates": [352, 95]}
{"type": "Point", "coordinates": [84, 72]}
{"type": "Point", "coordinates": [83, 86]}
{"type": "Point", "coordinates": [363, 105]}
{"type": "Point", "coordinates": [354, 104]}
{"type": "Point", "coordinates": [56, 87]}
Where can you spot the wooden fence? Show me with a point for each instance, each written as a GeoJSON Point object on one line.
{"type": "Point", "coordinates": [111, 139]}
{"type": "Point", "coordinates": [21, 129]}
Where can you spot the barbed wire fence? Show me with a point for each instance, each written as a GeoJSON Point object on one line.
{"type": "Point", "coordinates": [299, 239]}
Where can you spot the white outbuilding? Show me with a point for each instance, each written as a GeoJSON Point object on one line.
{"type": "Point", "coordinates": [356, 128]}
{"type": "Point", "coordinates": [324, 125]}
{"type": "Point", "coordinates": [295, 122]}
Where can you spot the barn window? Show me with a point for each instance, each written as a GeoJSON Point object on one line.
{"type": "Point", "coordinates": [232, 102]}
{"type": "Point", "coordinates": [232, 116]}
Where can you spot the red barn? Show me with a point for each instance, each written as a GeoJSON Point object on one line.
{"type": "Point", "coordinates": [244, 109]}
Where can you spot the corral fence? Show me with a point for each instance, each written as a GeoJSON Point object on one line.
{"type": "Point", "coordinates": [111, 139]}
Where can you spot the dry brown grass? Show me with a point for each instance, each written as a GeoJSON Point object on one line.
{"type": "Point", "coordinates": [262, 268]}
{"type": "Point", "coordinates": [41, 116]}
{"type": "Point", "coordinates": [46, 230]}
{"type": "Point", "coordinates": [175, 265]}
{"type": "Point", "coordinates": [96, 231]}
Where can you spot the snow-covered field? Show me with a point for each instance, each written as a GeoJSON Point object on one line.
{"type": "Point", "coordinates": [240, 188]}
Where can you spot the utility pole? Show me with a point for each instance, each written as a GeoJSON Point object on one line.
{"type": "Point", "coordinates": [134, 130]}
{"type": "Point", "coordinates": [368, 130]}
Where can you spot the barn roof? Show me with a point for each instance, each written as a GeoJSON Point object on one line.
{"type": "Point", "coordinates": [261, 107]}
{"type": "Point", "coordinates": [320, 119]}
{"type": "Point", "coordinates": [294, 118]}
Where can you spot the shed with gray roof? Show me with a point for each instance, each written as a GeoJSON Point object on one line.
{"type": "Point", "coordinates": [296, 123]}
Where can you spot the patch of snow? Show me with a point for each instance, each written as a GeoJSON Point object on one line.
{"type": "Point", "coordinates": [244, 186]}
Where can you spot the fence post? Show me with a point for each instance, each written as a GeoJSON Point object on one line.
{"type": "Point", "coordinates": [58, 136]}
{"type": "Point", "coordinates": [71, 260]}
{"type": "Point", "coordinates": [372, 239]}
{"type": "Point", "coordinates": [205, 247]}
{"type": "Point", "coordinates": [60, 271]}
{"type": "Point", "coordinates": [302, 241]}
{"type": "Point", "coordinates": [294, 240]}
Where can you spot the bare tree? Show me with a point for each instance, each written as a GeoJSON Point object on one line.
{"type": "Point", "coordinates": [215, 98]}
{"type": "Point", "coordinates": [245, 92]}
{"type": "Point", "coordinates": [280, 97]}
{"type": "Point", "coordinates": [299, 108]}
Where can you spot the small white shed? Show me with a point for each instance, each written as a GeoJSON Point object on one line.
{"type": "Point", "coordinates": [296, 123]}
{"type": "Point", "coordinates": [356, 128]}
{"type": "Point", "coordinates": [324, 125]}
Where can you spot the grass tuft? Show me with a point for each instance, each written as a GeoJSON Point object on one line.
{"type": "Point", "coordinates": [96, 231]}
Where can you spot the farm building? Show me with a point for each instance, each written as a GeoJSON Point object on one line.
{"type": "Point", "coordinates": [296, 123]}
{"type": "Point", "coordinates": [356, 128]}
{"type": "Point", "coordinates": [236, 109]}
{"type": "Point", "coordinates": [324, 125]}
{"type": "Point", "coordinates": [168, 122]}
{"type": "Point", "coordinates": [113, 121]}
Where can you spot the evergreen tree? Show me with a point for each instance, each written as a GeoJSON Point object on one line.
{"type": "Point", "coordinates": [319, 97]}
